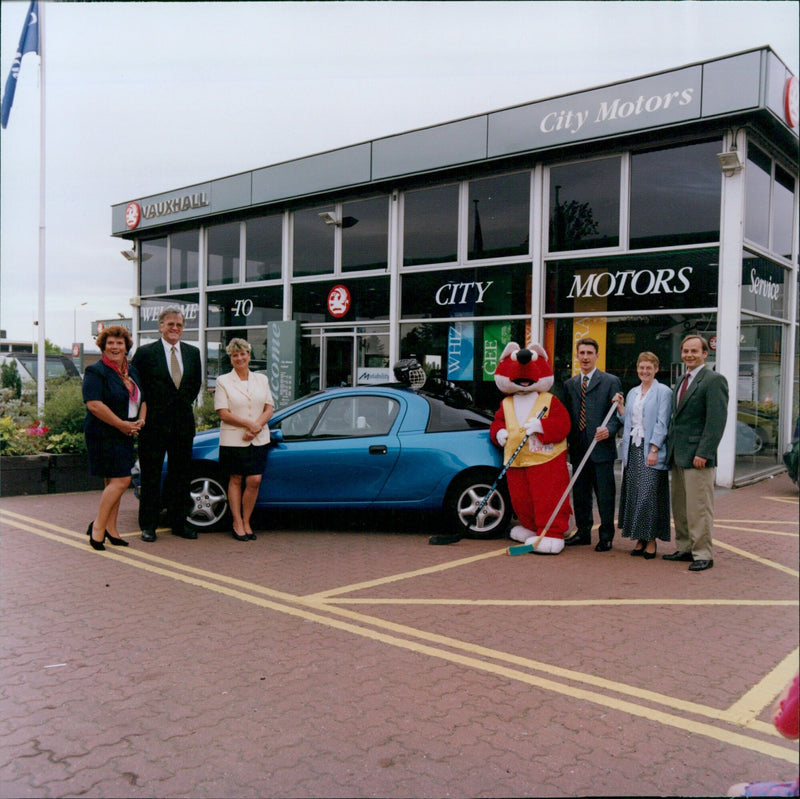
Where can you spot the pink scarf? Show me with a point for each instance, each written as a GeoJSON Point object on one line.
{"type": "Point", "coordinates": [122, 371]}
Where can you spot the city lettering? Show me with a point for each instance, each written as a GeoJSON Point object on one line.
{"type": "Point", "coordinates": [459, 293]}
{"type": "Point", "coordinates": [645, 281]}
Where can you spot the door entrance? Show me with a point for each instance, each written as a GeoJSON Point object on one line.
{"type": "Point", "coordinates": [358, 356]}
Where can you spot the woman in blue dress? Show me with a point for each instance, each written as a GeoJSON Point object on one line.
{"type": "Point", "coordinates": [115, 413]}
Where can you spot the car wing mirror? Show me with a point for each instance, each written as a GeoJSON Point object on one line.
{"type": "Point", "coordinates": [275, 435]}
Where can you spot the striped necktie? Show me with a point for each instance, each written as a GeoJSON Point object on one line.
{"type": "Point", "coordinates": [582, 415]}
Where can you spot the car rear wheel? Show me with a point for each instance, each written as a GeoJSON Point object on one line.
{"type": "Point", "coordinates": [465, 497]}
{"type": "Point", "coordinates": [209, 497]}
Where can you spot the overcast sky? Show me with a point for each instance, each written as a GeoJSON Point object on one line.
{"type": "Point", "coordinates": [148, 97]}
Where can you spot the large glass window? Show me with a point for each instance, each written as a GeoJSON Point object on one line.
{"type": "Point", "coordinates": [644, 281]}
{"type": "Point", "coordinates": [153, 269]}
{"type": "Point", "coordinates": [496, 291]}
{"type": "Point", "coordinates": [465, 353]}
{"type": "Point", "coordinates": [675, 196]}
{"type": "Point", "coordinates": [782, 212]}
{"type": "Point", "coordinates": [584, 205]}
{"type": "Point", "coordinates": [263, 247]}
{"type": "Point", "coordinates": [499, 216]}
{"type": "Point", "coordinates": [217, 360]}
{"type": "Point", "coordinates": [223, 253]}
{"type": "Point", "coordinates": [757, 180]}
{"type": "Point", "coordinates": [365, 234]}
{"type": "Point", "coordinates": [184, 260]}
{"type": "Point", "coordinates": [350, 300]}
{"type": "Point", "coordinates": [763, 286]}
{"type": "Point", "coordinates": [248, 306]}
{"type": "Point", "coordinates": [430, 225]}
{"type": "Point", "coordinates": [313, 242]}
{"type": "Point", "coordinates": [759, 391]}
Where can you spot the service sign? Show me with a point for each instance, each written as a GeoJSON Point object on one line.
{"type": "Point", "coordinates": [763, 289]}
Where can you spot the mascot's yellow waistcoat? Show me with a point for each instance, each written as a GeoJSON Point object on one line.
{"type": "Point", "coordinates": [534, 453]}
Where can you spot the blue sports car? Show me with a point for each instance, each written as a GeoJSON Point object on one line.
{"type": "Point", "coordinates": [378, 448]}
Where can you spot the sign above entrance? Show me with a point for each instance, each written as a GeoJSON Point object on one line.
{"type": "Point", "coordinates": [339, 301]}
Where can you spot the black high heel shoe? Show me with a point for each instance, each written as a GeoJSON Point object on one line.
{"type": "Point", "coordinates": [98, 545]}
{"type": "Point", "coordinates": [117, 542]}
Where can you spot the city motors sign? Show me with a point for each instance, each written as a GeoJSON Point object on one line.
{"type": "Point", "coordinates": [637, 282]}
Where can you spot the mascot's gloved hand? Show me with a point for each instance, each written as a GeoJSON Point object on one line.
{"type": "Point", "coordinates": [533, 426]}
{"type": "Point", "coordinates": [502, 437]}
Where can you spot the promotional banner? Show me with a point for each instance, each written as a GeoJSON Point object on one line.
{"type": "Point", "coordinates": [461, 351]}
{"type": "Point", "coordinates": [495, 337]}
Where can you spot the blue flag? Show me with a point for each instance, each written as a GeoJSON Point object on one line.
{"type": "Point", "coordinates": [28, 43]}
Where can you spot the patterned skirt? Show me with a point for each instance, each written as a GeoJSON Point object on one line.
{"type": "Point", "coordinates": [644, 499]}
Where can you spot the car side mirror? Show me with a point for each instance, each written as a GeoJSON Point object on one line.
{"type": "Point", "coordinates": [275, 435]}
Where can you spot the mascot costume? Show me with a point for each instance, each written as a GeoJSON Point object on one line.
{"type": "Point", "coordinates": [538, 478]}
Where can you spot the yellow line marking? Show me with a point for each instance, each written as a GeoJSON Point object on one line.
{"type": "Point", "coordinates": [668, 602]}
{"type": "Point", "coordinates": [755, 521]}
{"type": "Point", "coordinates": [393, 578]}
{"type": "Point", "coordinates": [701, 728]}
{"type": "Point", "coordinates": [763, 561]}
{"type": "Point", "coordinates": [756, 532]}
{"type": "Point", "coordinates": [764, 692]}
{"type": "Point", "coordinates": [787, 500]}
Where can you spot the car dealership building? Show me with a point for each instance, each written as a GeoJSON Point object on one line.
{"type": "Point", "coordinates": [634, 213]}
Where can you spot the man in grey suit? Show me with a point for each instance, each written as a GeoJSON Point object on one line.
{"type": "Point", "coordinates": [588, 397]}
{"type": "Point", "coordinates": [172, 374]}
{"type": "Point", "coordinates": [699, 412]}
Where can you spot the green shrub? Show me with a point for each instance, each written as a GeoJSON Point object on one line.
{"type": "Point", "coordinates": [10, 379]}
{"type": "Point", "coordinates": [205, 416]}
{"type": "Point", "coordinates": [64, 409]}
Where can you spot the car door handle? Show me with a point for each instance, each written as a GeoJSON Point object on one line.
{"type": "Point", "coordinates": [378, 449]}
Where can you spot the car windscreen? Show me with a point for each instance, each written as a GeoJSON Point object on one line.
{"type": "Point", "coordinates": [444, 418]}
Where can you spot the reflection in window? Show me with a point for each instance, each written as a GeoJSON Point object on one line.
{"type": "Point", "coordinates": [184, 260]}
{"type": "Point", "coordinates": [499, 216]}
{"type": "Point", "coordinates": [757, 179]}
{"type": "Point", "coordinates": [365, 234]}
{"type": "Point", "coordinates": [223, 254]}
{"type": "Point", "coordinates": [758, 391]}
{"type": "Point", "coordinates": [153, 273]}
{"type": "Point", "coordinates": [584, 205]}
{"type": "Point", "coordinates": [217, 360]}
{"type": "Point", "coordinates": [675, 196]}
{"type": "Point", "coordinates": [430, 225]}
{"type": "Point", "coordinates": [313, 242]}
{"type": "Point", "coordinates": [782, 212]}
{"type": "Point", "coordinates": [263, 247]}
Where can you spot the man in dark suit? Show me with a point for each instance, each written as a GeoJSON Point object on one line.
{"type": "Point", "coordinates": [588, 397]}
{"type": "Point", "coordinates": [699, 412]}
{"type": "Point", "coordinates": [171, 374]}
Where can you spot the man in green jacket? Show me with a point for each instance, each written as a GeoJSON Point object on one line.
{"type": "Point", "coordinates": [699, 411]}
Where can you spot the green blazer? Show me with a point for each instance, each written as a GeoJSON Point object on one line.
{"type": "Point", "coordinates": [697, 424]}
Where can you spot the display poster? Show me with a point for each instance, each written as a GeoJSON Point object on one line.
{"type": "Point", "coordinates": [461, 351]}
{"type": "Point", "coordinates": [283, 367]}
{"type": "Point", "coordinates": [589, 327]}
{"type": "Point", "coordinates": [495, 337]}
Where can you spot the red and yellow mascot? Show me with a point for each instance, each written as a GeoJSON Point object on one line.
{"type": "Point", "coordinates": [538, 477]}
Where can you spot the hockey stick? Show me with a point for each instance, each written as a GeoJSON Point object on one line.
{"type": "Point", "coordinates": [455, 537]}
{"type": "Point", "coordinates": [522, 549]}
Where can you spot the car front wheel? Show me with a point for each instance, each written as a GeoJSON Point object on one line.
{"type": "Point", "coordinates": [464, 499]}
{"type": "Point", "coordinates": [209, 498]}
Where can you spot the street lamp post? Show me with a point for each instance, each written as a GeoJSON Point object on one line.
{"type": "Point", "coordinates": [75, 322]}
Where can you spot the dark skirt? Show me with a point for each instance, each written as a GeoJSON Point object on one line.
{"type": "Point", "coordinates": [644, 499]}
{"type": "Point", "coordinates": [110, 455]}
{"type": "Point", "coordinates": [243, 460]}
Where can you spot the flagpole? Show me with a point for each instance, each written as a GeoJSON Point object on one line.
{"type": "Point", "coordinates": [41, 361]}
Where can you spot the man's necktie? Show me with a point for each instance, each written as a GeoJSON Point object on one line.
{"type": "Point", "coordinates": [175, 369]}
{"type": "Point", "coordinates": [683, 388]}
{"type": "Point", "coordinates": [582, 415]}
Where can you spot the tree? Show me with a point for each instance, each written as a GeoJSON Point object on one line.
{"type": "Point", "coordinates": [49, 348]}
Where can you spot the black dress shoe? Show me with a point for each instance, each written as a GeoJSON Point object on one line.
{"type": "Point", "coordinates": [701, 565]}
{"type": "Point", "coordinates": [578, 538]}
{"type": "Point", "coordinates": [602, 546]}
{"type": "Point", "coordinates": [687, 556]}
{"type": "Point", "coordinates": [637, 552]}
{"type": "Point", "coordinates": [148, 535]}
{"type": "Point", "coordinates": [185, 532]}
{"type": "Point", "coordinates": [117, 542]}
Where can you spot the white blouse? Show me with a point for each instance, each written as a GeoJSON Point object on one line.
{"type": "Point", "coordinates": [245, 398]}
{"type": "Point", "coordinates": [637, 418]}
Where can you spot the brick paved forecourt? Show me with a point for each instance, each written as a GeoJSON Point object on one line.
{"type": "Point", "coordinates": [361, 662]}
